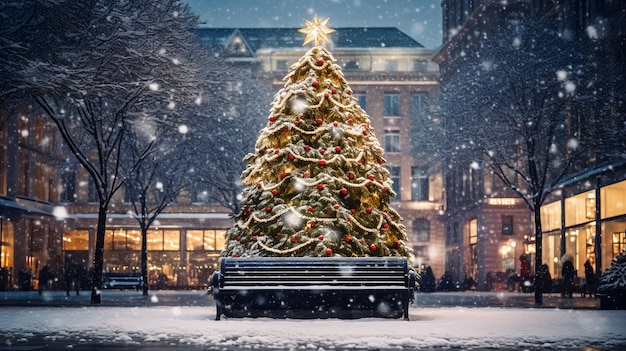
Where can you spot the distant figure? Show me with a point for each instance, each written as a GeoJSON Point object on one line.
{"type": "Point", "coordinates": [543, 282]}
{"type": "Point", "coordinates": [45, 278]}
{"type": "Point", "coordinates": [524, 284]}
{"type": "Point", "coordinates": [568, 277]}
{"type": "Point", "coordinates": [489, 281]}
{"type": "Point", "coordinates": [25, 276]}
{"type": "Point", "coordinates": [427, 281]}
{"type": "Point", "coordinates": [591, 281]}
{"type": "Point", "coordinates": [71, 276]}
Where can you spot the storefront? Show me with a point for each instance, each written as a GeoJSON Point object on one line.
{"type": "Point", "coordinates": [586, 220]}
{"type": "Point", "coordinates": [177, 258]}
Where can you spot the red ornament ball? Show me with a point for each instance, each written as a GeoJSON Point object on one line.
{"type": "Point", "coordinates": [307, 147]}
{"type": "Point", "coordinates": [373, 247]}
{"type": "Point", "coordinates": [329, 252]}
{"type": "Point", "coordinates": [315, 84]}
{"type": "Point", "coordinates": [238, 238]}
{"type": "Point", "coordinates": [323, 162]}
{"type": "Point", "coordinates": [320, 186]}
{"type": "Point", "coordinates": [371, 177]}
{"type": "Point", "coordinates": [254, 238]}
{"type": "Point", "coordinates": [319, 121]}
{"type": "Point", "coordinates": [272, 118]}
{"type": "Point", "coordinates": [321, 237]}
{"type": "Point", "coordinates": [274, 192]}
{"type": "Point", "coordinates": [283, 175]}
{"type": "Point", "coordinates": [344, 191]}
{"type": "Point", "coordinates": [334, 91]}
{"type": "Point", "coordinates": [291, 156]}
{"type": "Point", "coordinates": [310, 209]}
{"type": "Point", "coordinates": [347, 239]}
{"type": "Point", "coordinates": [350, 121]}
{"type": "Point", "coordinates": [322, 151]}
{"type": "Point", "coordinates": [319, 62]}
{"type": "Point", "coordinates": [351, 175]}
{"type": "Point", "coordinates": [336, 207]}
{"type": "Point", "coordinates": [268, 209]}
{"type": "Point", "coordinates": [368, 210]}
{"type": "Point", "coordinates": [337, 149]}
{"type": "Point", "coordinates": [293, 239]}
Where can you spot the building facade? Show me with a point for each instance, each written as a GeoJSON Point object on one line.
{"type": "Point", "coordinates": [487, 225]}
{"type": "Point", "coordinates": [391, 74]}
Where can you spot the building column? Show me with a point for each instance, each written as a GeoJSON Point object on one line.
{"type": "Point", "coordinates": [598, 241]}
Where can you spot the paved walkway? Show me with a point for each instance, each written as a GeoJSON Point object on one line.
{"type": "Point", "coordinates": [201, 298]}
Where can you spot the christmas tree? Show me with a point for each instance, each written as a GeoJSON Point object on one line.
{"type": "Point", "coordinates": [316, 184]}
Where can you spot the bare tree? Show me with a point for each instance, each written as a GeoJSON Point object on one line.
{"type": "Point", "coordinates": [512, 107]}
{"type": "Point", "coordinates": [111, 58]}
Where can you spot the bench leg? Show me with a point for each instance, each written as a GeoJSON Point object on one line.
{"type": "Point", "coordinates": [218, 310]}
{"type": "Point", "coordinates": [405, 306]}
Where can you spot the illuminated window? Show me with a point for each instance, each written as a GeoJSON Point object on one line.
{"type": "Point", "coordinates": [395, 178]}
{"type": "Point", "coordinates": [210, 240]}
{"type": "Point", "coordinates": [168, 240]}
{"type": "Point", "coordinates": [77, 240]}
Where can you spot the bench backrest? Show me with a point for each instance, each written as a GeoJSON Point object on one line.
{"type": "Point", "coordinates": [309, 272]}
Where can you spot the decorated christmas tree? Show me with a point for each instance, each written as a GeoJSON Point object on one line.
{"type": "Point", "coordinates": [316, 184]}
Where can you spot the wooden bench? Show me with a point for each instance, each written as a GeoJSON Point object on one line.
{"type": "Point", "coordinates": [313, 287]}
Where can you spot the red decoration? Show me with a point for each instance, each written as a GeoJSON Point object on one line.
{"type": "Point", "coordinates": [335, 124]}
{"type": "Point", "coordinates": [344, 191]}
{"type": "Point", "coordinates": [302, 117]}
{"type": "Point", "coordinates": [320, 186]}
{"type": "Point", "coordinates": [352, 210]}
{"type": "Point", "coordinates": [368, 183]}
{"type": "Point", "coordinates": [334, 91]}
{"type": "Point", "coordinates": [362, 241]}
{"type": "Point", "coordinates": [305, 175]}
{"type": "Point", "coordinates": [319, 62]}
{"type": "Point", "coordinates": [307, 147]}
{"type": "Point", "coordinates": [238, 238]}
{"type": "Point", "coordinates": [322, 151]}
{"type": "Point", "coordinates": [291, 156]}
{"type": "Point", "coordinates": [350, 121]}
{"type": "Point", "coordinates": [319, 121]}
{"type": "Point", "coordinates": [325, 95]}
{"type": "Point", "coordinates": [315, 84]}
{"type": "Point", "coordinates": [275, 192]}
{"type": "Point", "coordinates": [283, 175]}
{"type": "Point", "coordinates": [329, 252]}
{"type": "Point", "coordinates": [348, 239]}
{"type": "Point", "coordinates": [329, 211]}
{"type": "Point", "coordinates": [349, 92]}
{"type": "Point", "coordinates": [254, 238]}
{"type": "Point", "coordinates": [258, 185]}
{"type": "Point", "coordinates": [365, 132]}
{"type": "Point", "coordinates": [312, 225]}
{"type": "Point", "coordinates": [373, 247]}
{"type": "Point", "coordinates": [385, 225]}
{"type": "Point", "coordinates": [268, 209]}
{"type": "Point", "coordinates": [323, 162]}
{"type": "Point", "coordinates": [235, 255]}
{"type": "Point", "coordinates": [371, 177]}
{"type": "Point", "coordinates": [368, 210]}
{"type": "Point", "coordinates": [276, 151]}
{"type": "Point", "coordinates": [293, 239]}
{"type": "Point", "coordinates": [336, 207]}
{"type": "Point", "coordinates": [321, 237]}
{"type": "Point", "coordinates": [310, 209]}
{"type": "Point", "coordinates": [351, 175]}
{"type": "Point", "coordinates": [272, 118]}
{"type": "Point", "coordinates": [295, 123]}
{"type": "Point", "coordinates": [398, 244]}
{"type": "Point", "coordinates": [337, 149]}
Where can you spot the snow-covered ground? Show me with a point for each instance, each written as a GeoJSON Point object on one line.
{"type": "Point", "coordinates": [446, 327]}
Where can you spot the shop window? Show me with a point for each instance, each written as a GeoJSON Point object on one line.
{"type": "Point", "coordinates": [121, 239]}
{"type": "Point", "coordinates": [507, 225]}
{"type": "Point", "coordinates": [209, 240]}
{"type": "Point", "coordinates": [619, 243]}
{"type": "Point", "coordinates": [6, 243]}
{"type": "Point", "coordinates": [163, 240]}
{"type": "Point", "coordinates": [77, 240]}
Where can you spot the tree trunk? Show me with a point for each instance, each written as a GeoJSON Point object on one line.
{"type": "Point", "coordinates": [144, 259]}
{"type": "Point", "coordinates": [98, 259]}
{"type": "Point", "coordinates": [538, 254]}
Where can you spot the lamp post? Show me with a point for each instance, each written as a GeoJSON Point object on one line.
{"type": "Point", "coordinates": [530, 248]}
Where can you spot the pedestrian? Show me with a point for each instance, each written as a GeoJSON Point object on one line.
{"type": "Point", "coordinates": [524, 284]}
{"type": "Point", "coordinates": [591, 281]}
{"type": "Point", "coordinates": [544, 280]}
{"type": "Point", "coordinates": [71, 277]}
{"type": "Point", "coordinates": [569, 273]}
{"type": "Point", "coordinates": [45, 278]}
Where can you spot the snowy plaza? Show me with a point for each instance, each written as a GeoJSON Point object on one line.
{"type": "Point", "coordinates": [189, 323]}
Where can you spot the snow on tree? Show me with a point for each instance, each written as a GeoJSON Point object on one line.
{"type": "Point", "coordinates": [316, 184]}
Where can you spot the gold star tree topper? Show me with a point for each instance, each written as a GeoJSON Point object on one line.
{"type": "Point", "coordinates": [316, 31]}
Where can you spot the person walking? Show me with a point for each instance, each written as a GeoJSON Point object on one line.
{"type": "Point", "coordinates": [45, 278]}
{"type": "Point", "coordinates": [569, 273]}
